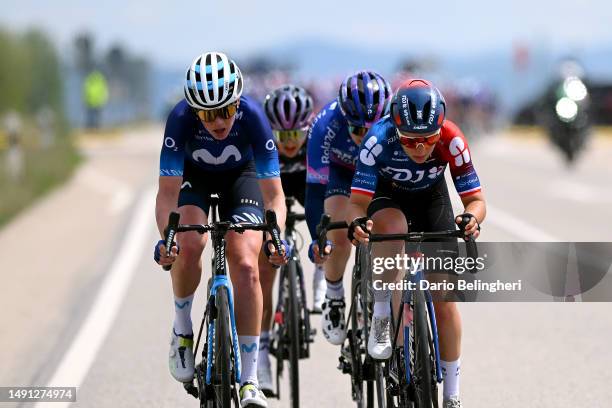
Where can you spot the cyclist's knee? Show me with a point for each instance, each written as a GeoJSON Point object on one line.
{"type": "Point", "coordinates": [247, 274]}
{"type": "Point", "coordinates": [389, 221]}
{"type": "Point", "coordinates": [340, 241]}
{"type": "Point", "coordinates": [191, 247]}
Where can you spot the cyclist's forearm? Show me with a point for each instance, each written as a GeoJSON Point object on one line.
{"type": "Point", "coordinates": [165, 203]}
{"type": "Point", "coordinates": [356, 208]}
{"type": "Point", "coordinates": [315, 196]}
{"type": "Point", "coordinates": [274, 198]}
{"type": "Point", "coordinates": [476, 206]}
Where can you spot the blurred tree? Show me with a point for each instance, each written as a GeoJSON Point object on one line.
{"type": "Point", "coordinates": [84, 53]}
{"type": "Point", "coordinates": [42, 70]}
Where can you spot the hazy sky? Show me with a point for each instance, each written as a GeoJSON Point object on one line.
{"type": "Point", "coordinates": [172, 33]}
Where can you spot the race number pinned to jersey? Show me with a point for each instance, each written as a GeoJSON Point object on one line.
{"type": "Point", "coordinates": [459, 151]}
{"type": "Point", "coordinates": [369, 152]}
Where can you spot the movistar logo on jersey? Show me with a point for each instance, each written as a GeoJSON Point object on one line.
{"type": "Point", "coordinates": [370, 150]}
{"type": "Point", "coordinates": [207, 157]}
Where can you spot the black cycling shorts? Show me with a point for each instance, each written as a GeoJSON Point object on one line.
{"type": "Point", "coordinates": [240, 198]}
{"type": "Point", "coordinates": [428, 210]}
{"type": "Point", "coordinates": [294, 185]}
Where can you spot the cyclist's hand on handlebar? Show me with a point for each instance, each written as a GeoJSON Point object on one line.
{"type": "Point", "coordinates": [471, 225]}
{"type": "Point", "coordinates": [314, 255]}
{"type": "Point", "coordinates": [359, 230]}
{"type": "Point", "coordinates": [161, 256]}
{"type": "Point", "coordinates": [275, 258]}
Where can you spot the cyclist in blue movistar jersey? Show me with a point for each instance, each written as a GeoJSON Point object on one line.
{"type": "Point", "coordinates": [333, 145]}
{"type": "Point", "coordinates": [399, 182]}
{"type": "Point", "coordinates": [217, 141]}
{"type": "Point", "coordinates": [289, 110]}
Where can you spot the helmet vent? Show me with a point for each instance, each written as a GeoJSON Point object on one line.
{"type": "Point", "coordinates": [413, 110]}
{"type": "Point", "coordinates": [426, 111]}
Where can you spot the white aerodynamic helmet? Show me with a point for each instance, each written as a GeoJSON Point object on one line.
{"type": "Point", "coordinates": [212, 81]}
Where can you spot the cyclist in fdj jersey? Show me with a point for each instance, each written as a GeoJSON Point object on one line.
{"type": "Point", "coordinates": [289, 110]}
{"type": "Point", "coordinates": [400, 179]}
{"type": "Point", "coordinates": [333, 145]}
{"type": "Point", "coordinates": [217, 141]}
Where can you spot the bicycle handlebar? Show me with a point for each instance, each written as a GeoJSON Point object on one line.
{"type": "Point", "coordinates": [174, 227]}
{"type": "Point", "coordinates": [472, 251]}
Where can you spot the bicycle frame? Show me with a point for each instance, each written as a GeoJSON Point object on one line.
{"type": "Point", "coordinates": [406, 299]}
{"type": "Point", "coordinates": [220, 279]}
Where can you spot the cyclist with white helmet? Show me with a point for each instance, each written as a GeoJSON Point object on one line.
{"type": "Point", "coordinates": [218, 141]}
{"type": "Point", "coordinates": [399, 184]}
{"type": "Point", "coordinates": [289, 110]}
{"type": "Point", "coordinates": [333, 145]}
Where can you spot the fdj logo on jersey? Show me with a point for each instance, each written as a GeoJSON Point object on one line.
{"type": "Point", "coordinates": [369, 152]}
{"type": "Point", "coordinates": [413, 177]}
{"type": "Point", "coordinates": [459, 151]}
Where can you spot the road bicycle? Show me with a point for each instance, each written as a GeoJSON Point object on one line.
{"type": "Point", "coordinates": [219, 370]}
{"type": "Point", "coordinates": [292, 333]}
{"type": "Point", "coordinates": [410, 377]}
{"type": "Point", "coordinates": [354, 359]}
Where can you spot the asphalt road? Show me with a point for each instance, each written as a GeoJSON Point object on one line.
{"type": "Point", "coordinates": [84, 304]}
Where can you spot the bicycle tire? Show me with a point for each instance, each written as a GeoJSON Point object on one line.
{"type": "Point", "coordinates": [354, 348]}
{"type": "Point", "coordinates": [422, 370]}
{"type": "Point", "coordinates": [293, 330]}
{"type": "Point", "coordinates": [222, 373]}
{"type": "Point", "coordinates": [379, 385]}
{"type": "Point", "coordinates": [365, 299]}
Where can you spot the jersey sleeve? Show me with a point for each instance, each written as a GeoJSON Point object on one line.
{"type": "Point", "coordinates": [262, 143]}
{"type": "Point", "coordinates": [366, 173]}
{"type": "Point", "coordinates": [172, 156]}
{"type": "Point", "coordinates": [459, 158]}
{"type": "Point", "coordinates": [317, 153]}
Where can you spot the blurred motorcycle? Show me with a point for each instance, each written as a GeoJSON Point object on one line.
{"type": "Point", "coordinates": [566, 116]}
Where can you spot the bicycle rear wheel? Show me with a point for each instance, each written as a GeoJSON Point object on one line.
{"type": "Point", "coordinates": [423, 379]}
{"type": "Point", "coordinates": [222, 368]}
{"type": "Point", "coordinates": [293, 333]}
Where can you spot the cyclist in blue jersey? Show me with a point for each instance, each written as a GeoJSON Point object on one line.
{"type": "Point", "coordinates": [399, 183]}
{"type": "Point", "coordinates": [333, 145]}
{"type": "Point", "coordinates": [217, 141]}
{"type": "Point", "coordinates": [289, 110]}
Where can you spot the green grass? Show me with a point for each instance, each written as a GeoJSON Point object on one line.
{"type": "Point", "coordinates": [43, 170]}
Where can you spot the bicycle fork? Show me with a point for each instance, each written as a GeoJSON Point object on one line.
{"type": "Point", "coordinates": [407, 321]}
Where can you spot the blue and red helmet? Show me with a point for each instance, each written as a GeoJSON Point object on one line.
{"type": "Point", "coordinates": [364, 98]}
{"type": "Point", "coordinates": [418, 107]}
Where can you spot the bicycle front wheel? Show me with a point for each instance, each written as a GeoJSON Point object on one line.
{"type": "Point", "coordinates": [424, 387]}
{"type": "Point", "coordinates": [222, 368]}
{"type": "Point", "coordinates": [293, 332]}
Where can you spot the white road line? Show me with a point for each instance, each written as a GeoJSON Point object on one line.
{"type": "Point", "coordinates": [81, 354]}
{"type": "Point", "coordinates": [517, 227]}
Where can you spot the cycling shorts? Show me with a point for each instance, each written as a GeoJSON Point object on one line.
{"type": "Point", "coordinates": [426, 210]}
{"type": "Point", "coordinates": [240, 198]}
{"type": "Point", "coordinates": [294, 185]}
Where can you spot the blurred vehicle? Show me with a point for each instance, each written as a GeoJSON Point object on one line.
{"type": "Point", "coordinates": [565, 111]}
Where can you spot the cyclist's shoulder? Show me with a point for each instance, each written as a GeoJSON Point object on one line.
{"type": "Point", "coordinates": [181, 111]}
{"type": "Point", "coordinates": [329, 116]}
{"type": "Point", "coordinates": [381, 131]}
{"type": "Point", "coordinates": [248, 109]}
{"type": "Point", "coordinates": [453, 146]}
{"type": "Point", "coordinates": [451, 131]}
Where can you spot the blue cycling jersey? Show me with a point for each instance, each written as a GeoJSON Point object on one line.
{"type": "Point", "coordinates": [382, 157]}
{"type": "Point", "coordinates": [185, 138]}
{"type": "Point", "coordinates": [329, 143]}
